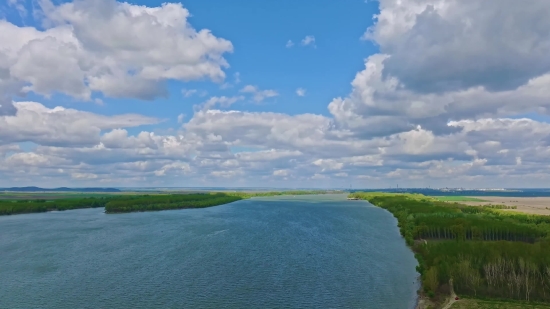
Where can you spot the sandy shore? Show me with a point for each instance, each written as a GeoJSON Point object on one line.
{"type": "Point", "coordinates": [529, 205]}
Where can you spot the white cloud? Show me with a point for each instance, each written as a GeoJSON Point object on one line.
{"type": "Point", "coordinates": [236, 81]}
{"type": "Point", "coordinates": [289, 44]}
{"type": "Point", "coordinates": [257, 94]}
{"type": "Point", "coordinates": [86, 176]}
{"type": "Point", "coordinates": [188, 92]}
{"type": "Point", "coordinates": [222, 101]}
{"type": "Point", "coordinates": [422, 112]}
{"type": "Point", "coordinates": [449, 45]}
{"type": "Point", "coordinates": [309, 40]}
{"type": "Point", "coordinates": [119, 49]}
{"type": "Point", "coordinates": [19, 5]}
{"type": "Point", "coordinates": [300, 92]}
{"type": "Point", "coordinates": [282, 173]}
{"type": "Point", "coordinates": [60, 126]}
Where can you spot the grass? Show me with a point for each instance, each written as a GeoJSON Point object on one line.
{"type": "Point", "coordinates": [494, 304]}
{"type": "Point", "coordinates": [458, 199]}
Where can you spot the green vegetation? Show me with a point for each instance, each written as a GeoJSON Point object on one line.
{"type": "Point", "coordinates": [454, 198]}
{"type": "Point", "coordinates": [495, 304]}
{"type": "Point", "coordinates": [165, 202]}
{"type": "Point", "coordinates": [245, 195]}
{"type": "Point", "coordinates": [9, 207]}
{"type": "Point", "coordinates": [487, 252]}
{"type": "Point", "coordinates": [126, 202]}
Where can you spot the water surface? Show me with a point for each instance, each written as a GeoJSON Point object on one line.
{"type": "Point", "coordinates": [284, 252]}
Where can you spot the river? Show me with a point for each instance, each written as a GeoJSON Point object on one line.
{"type": "Point", "coordinates": [283, 252]}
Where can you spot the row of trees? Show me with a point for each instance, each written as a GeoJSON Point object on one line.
{"type": "Point", "coordinates": [165, 202]}
{"type": "Point", "coordinates": [129, 203]}
{"type": "Point", "coordinates": [487, 252]}
{"type": "Point", "coordinates": [502, 269]}
{"type": "Point", "coordinates": [29, 206]}
{"type": "Point", "coordinates": [423, 218]}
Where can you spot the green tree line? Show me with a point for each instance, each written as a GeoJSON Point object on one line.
{"type": "Point", "coordinates": [8, 207]}
{"type": "Point", "coordinates": [487, 252]}
{"type": "Point", "coordinates": [147, 202]}
{"type": "Point", "coordinates": [165, 202]}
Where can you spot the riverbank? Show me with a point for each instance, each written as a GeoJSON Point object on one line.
{"type": "Point", "coordinates": [482, 249]}
{"type": "Point", "coordinates": [130, 201]}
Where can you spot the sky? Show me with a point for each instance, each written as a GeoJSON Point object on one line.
{"type": "Point", "coordinates": [291, 94]}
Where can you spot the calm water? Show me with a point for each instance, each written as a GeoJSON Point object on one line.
{"type": "Point", "coordinates": [308, 252]}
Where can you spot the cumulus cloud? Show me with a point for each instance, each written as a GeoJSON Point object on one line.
{"type": "Point", "coordinates": [380, 106]}
{"type": "Point", "coordinates": [444, 103]}
{"type": "Point", "coordinates": [450, 45]}
{"type": "Point", "coordinates": [289, 44]}
{"type": "Point", "coordinates": [118, 49]}
{"type": "Point", "coordinates": [60, 126]}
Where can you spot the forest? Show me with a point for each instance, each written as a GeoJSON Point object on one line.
{"type": "Point", "coordinates": [165, 202]}
{"type": "Point", "coordinates": [10, 207]}
{"type": "Point", "coordinates": [486, 251]}
{"type": "Point", "coordinates": [118, 203]}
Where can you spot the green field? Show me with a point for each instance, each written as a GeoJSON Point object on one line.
{"type": "Point", "coordinates": [490, 304]}
{"type": "Point", "coordinates": [454, 198]}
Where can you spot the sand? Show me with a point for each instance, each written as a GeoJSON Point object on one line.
{"type": "Point", "coordinates": [529, 205]}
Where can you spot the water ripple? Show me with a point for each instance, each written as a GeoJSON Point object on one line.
{"type": "Point", "coordinates": [308, 252]}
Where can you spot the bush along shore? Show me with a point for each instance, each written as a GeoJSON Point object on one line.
{"type": "Point", "coordinates": [131, 203]}
{"type": "Point", "coordinates": [165, 202]}
{"type": "Point", "coordinates": [9, 207]}
{"type": "Point", "coordinates": [488, 252]}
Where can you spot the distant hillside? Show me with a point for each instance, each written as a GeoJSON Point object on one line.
{"type": "Point", "coordinates": [37, 189]}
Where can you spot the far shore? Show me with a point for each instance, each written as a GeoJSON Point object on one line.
{"type": "Point", "coordinates": [528, 205]}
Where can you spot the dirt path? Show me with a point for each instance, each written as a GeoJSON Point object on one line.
{"type": "Point", "coordinates": [450, 302]}
{"type": "Point", "coordinates": [452, 298]}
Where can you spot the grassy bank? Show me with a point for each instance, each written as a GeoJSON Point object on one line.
{"type": "Point", "coordinates": [487, 252]}
{"type": "Point", "coordinates": [129, 202]}
{"type": "Point", "coordinates": [495, 304]}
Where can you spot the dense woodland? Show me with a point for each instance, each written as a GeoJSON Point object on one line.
{"type": "Point", "coordinates": [118, 203]}
{"type": "Point", "coordinates": [488, 252]}
{"type": "Point", "coordinates": [165, 202]}
{"type": "Point", "coordinates": [9, 207]}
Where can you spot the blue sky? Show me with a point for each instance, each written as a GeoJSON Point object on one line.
{"type": "Point", "coordinates": [259, 32]}
{"type": "Point", "coordinates": [368, 93]}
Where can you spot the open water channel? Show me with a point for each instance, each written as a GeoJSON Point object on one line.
{"type": "Point", "coordinates": [284, 252]}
